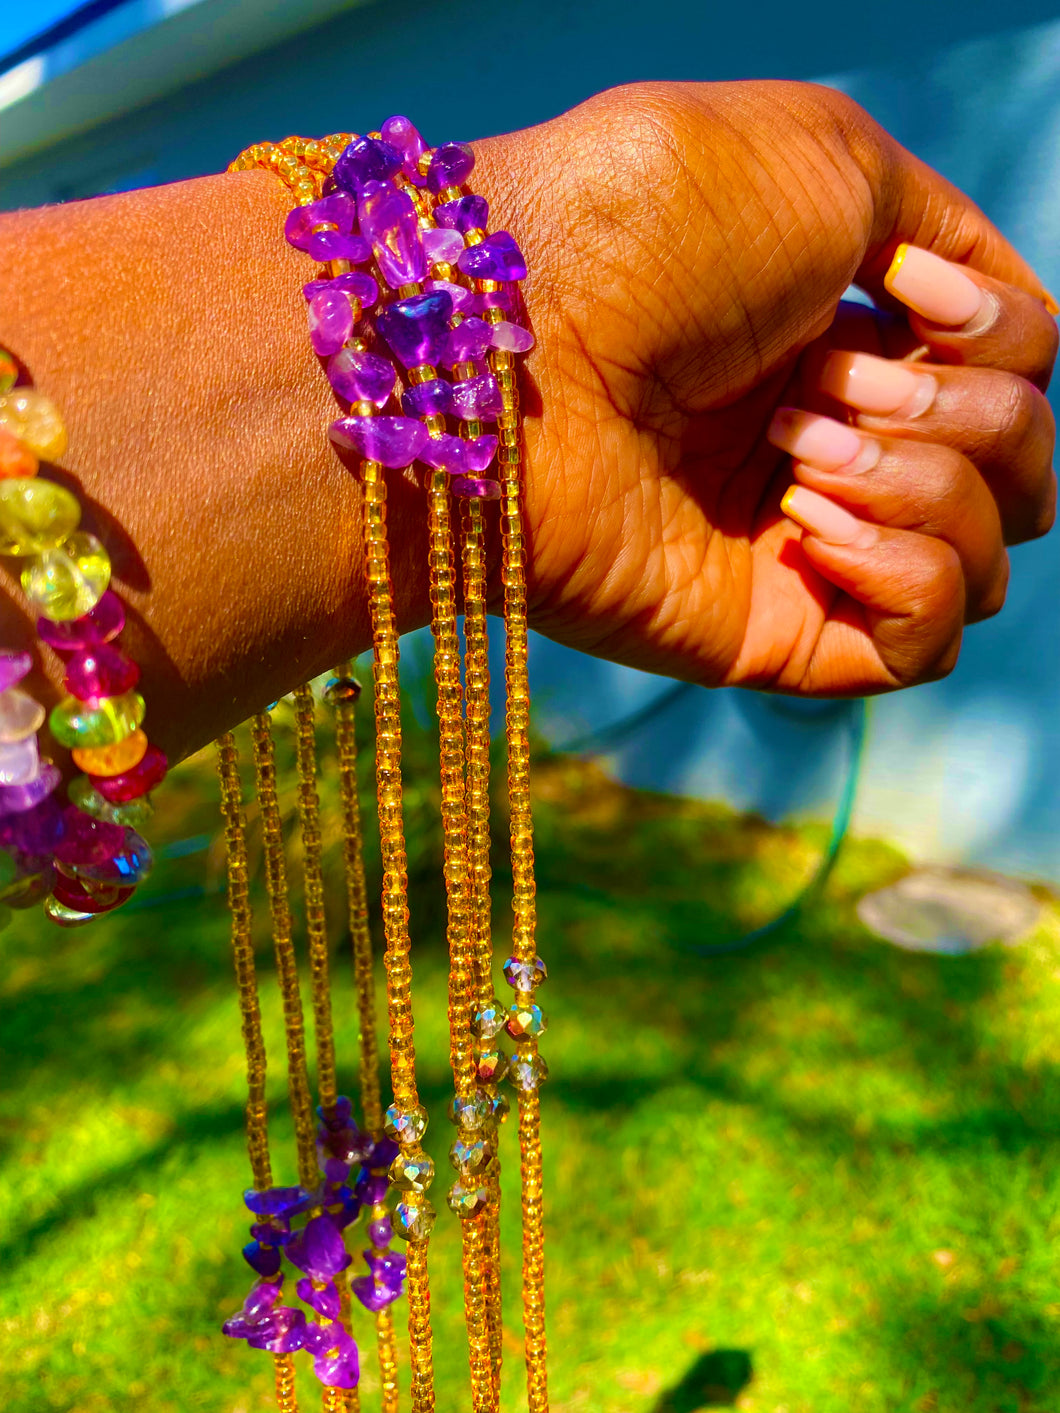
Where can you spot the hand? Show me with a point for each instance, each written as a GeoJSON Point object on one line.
{"type": "Point", "coordinates": [689, 246]}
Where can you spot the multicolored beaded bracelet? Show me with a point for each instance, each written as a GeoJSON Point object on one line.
{"type": "Point", "coordinates": [83, 857]}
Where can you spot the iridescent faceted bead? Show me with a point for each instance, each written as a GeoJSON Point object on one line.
{"type": "Point", "coordinates": [342, 689]}
{"type": "Point", "coordinates": [513, 338]}
{"type": "Point", "coordinates": [471, 1113]}
{"type": "Point", "coordinates": [412, 1220]}
{"type": "Point", "coordinates": [525, 1021]}
{"type": "Point", "coordinates": [431, 399]}
{"type": "Point", "coordinates": [112, 760]}
{"type": "Point", "coordinates": [492, 1066]}
{"type": "Point", "coordinates": [362, 377]}
{"type": "Point", "coordinates": [20, 716]}
{"type": "Point", "coordinates": [405, 1126]}
{"type": "Point", "coordinates": [13, 667]}
{"type": "Point", "coordinates": [68, 581]}
{"type": "Point", "coordinates": [445, 453]}
{"type": "Point", "coordinates": [442, 246]}
{"type": "Point", "coordinates": [478, 399]}
{"type": "Point", "coordinates": [35, 515]}
{"type": "Point", "coordinates": [388, 219]}
{"type": "Point", "coordinates": [102, 723]}
{"type": "Point", "coordinates": [470, 1155]}
{"type": "Point", "coordinates": [129, 866]}
{"type": "Point", "coordinates": [501, 1108]}
{"type": "Point", "coordinates": [498, 257]}
{"type": "Point", "coordinates": [451, 165]}
{"type": "Point", "coordinates": [100, 671]}
{"type": "Point", "coordinates": [463, 299]}
{"type": "Point", "coordinates": [62, 915]}
{"type": "Point", "coordinates": [466, 1199]}
{"type": "Point", "coordinates": [101, 624]}
{"type": "Point", "coordinates": [527, 1072]}
{"type": "Point", "coordinates": [87, 841]}
{"type": "Point", "coordinates": [417, 328]}
{"type": "Point", "coordinates": [330, 317]}
{"type": "Point", "coordinates": [488, 1021]}
{"type": "Point", "coordinates": [525, 976]}
{"type": "Point", "coordinates": [8, 371]}
{"type": "Point", "coordinates": [19, 761]}
{"type": "Point", "coordinates": [35, 420]}
{"type": "Point", "coordinates": [468, 341]}
{"type": "Point", "coordinates": [19, 800]}
{"type": "Point", "coordinates": [355, 283]}
{"type": "Point", "coordinates": [15, 458]}
{"type": "Point", "coordinates": [412, 1171]}
{"type": "Point", "coordinates": [475, 488]}
{"type": "Point", "coordinates": [481, 452]}
{"type": "Point", "coordinates": [392, 441]}
{"type": "Point", "coordinates": [466, 213]}
{"type": "Point", "coordinates": [134, 783]}
{"type": "Point", "coordinates": [365, 161]}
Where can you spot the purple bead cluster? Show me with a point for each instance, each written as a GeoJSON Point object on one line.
{"type": "Point", "coordinates": [318, 1250]}
{"type": "Point", "coordinates": [392, 203]}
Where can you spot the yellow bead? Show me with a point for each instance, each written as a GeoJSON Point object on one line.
{"type": "Point", "coordinates": [112, 760]}
{"type": "Point", "coordinates": [81, 724]}
{"type": "Point", "coordinates": [69, 581]}
{"type": "Point", "coordinates": [35, 420]}
{"type": "Point", "coordinates": [35, 515]}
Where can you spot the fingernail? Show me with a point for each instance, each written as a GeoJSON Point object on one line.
{"type": "Point", "coordinates": [933, 287]}
{"type": "Point", "coordinates": [1050, 303]}
{"type": "Point", "coordinates": [821, 441]}
{"type": "Point", "coordinates": [877, 385]}
{"type": "Point", "coordinates": [822, 517]}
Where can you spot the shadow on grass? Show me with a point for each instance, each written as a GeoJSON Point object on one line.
{"type": "Point", "coordinates": [715, 1380]}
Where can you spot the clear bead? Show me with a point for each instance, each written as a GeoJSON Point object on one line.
{"type": "Point", "coordinates": [525, 1021]}
{"type": "Point", "coordinates": [412, 1171]}
{"type": "Point", "coordinates": [19, 761]}
{"type": "Point", "coordinates": [405, 1126]}
{"type": "Point", "coordinates": [413, 1219]}
{"type": "Point", "coordinates": [466, 1199]}
{"type": "Point", "coordinates": [492, 1066]}
{"type": "Point", "coordinates": [64, 916]}
{"type": "Point", "coordinates": [21, 716]}
{"type": "Point", "coordinates": [489, 1021]}
{"type": "Point", "coordinates": [473, 1112]}
{"type": "Point", "coordinates": [470, 1155]}
{"type": "Point", "coordinates": [524, 976]}
{"type": "Point", "coordinates": [527, 1072]}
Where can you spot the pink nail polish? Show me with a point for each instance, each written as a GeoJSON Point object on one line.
{"type": "Point", "coordinates": [821, 441]}
{"type": "Point", "coordinates": [877, 385]}
{"type": "Point", "coordinates": [822, 517]}
{"type": "Point", "coordinates": [933, 287]}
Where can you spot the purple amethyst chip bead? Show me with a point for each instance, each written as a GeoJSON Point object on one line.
{"type": "Point", "coordinates": [497, 257]}
{"type": "Point", "coordinates": [473, 487]}
{"type": "Point", "coordinates": [362, 377]}
{"type": "Point", "coordinates": [481, 451]}
{"type": "Point", "coordinates": [478, 399]}
{"type": "Point", "coordinates": [467, 342]}
{"type": "Point", "coordinates": [355, 283]}
{"type": "Point", "coordinates": [417, 328]}
{"type": "Point", "coordinates": [442, 245]}
{"type": "Point", "coordinates": [330, 316]}
{"type": "Point", "coordinates": [445, 453]}
{"type": "Point", "coordinates": [388, 219]}
{"type": "Point", "coordinates": [333, 245]}
{"type": "Point", "coordinates": [451, 165]}
{"type": "Point", "coordinates": [433, 398]}
{"type": "Point", "coordinates": [365, 160]}
{"type": "Point", "coordinates": [466, 213]}
{"type": "Point", "coordinates": [392, 441]}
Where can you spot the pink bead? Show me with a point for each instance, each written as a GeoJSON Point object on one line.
{"type": "Point", "coordinates": [86, 840]}
{"type": "Point", "coordinates": [102, 671]}
{"type": "Point", "coordinates": [120, 789]}
{"type": "Point", "coordinates": [101, 625]}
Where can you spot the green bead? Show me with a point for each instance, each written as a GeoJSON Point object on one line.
{"type": "Point", "coordinates": [75, 723]}
{"type": "Point", "coordinates": [135, 814]}
{"type": "Point", "coordinates": [67, 582]}
{"type": "Point", "coordinates": [86, 797]}
{"type": "Point", "coordinates": [35, 515]}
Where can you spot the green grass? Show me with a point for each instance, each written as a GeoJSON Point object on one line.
{"type": "Point", "coordinates": [818, 1176]}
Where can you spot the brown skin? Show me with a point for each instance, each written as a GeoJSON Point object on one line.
{"type": "Point", "coordinates": [688, 246]}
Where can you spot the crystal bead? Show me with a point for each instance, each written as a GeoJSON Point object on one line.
{"type": "Point", "coordinates": [388, 219]}
{"type": "Point", "coordinates": [103, 723]}
{"type": "Point", "coordinates": [112, 760]}
{"type": "Point", "coordinates": [405, 1126]}
{"type": "Point", "coordinates": [68, 581]}
{"type": "Point", "coordinates": [20, 716]}
{"type": "Point", "coordinates": [101, 624]}
{"type": "Point", "coordinates": [442, 246]}
{"type": "Point", "coordinates": [525, 976]}
{"type": "Point", "coordinates": [19, 800]}
{"type": "Point", "coordinates": [101, 671]}
{"type": "Point", "coordinates": [497, 257]}
{"type": "Point", "coordinates": [466, 1199]}
{"type": "Point", "coordinates": [525, 1021]}
{"type": "Point", "coordinates": [8, 371]}
{"type": "Point", "coordinates": [65, 917]}
{"type": "Point", "coordinates": [463, 299]}
{"type": "Point", "coordinates": [478, 399]}
{"type": "Point", "coordinates": [412, 1171]}
{"type": "Point", "coordinates": [366, 160]}
{"type": "Point", "coordinates": [330, 318]}
{"type": "Point", "coordinates": [342, 689]}
{"type": "Point", "coordinates": [16, 459]}
{"type": "Point", "coordinates": [417, 328]}
{"type": "Point", "coordinates": [392, 441]}
{"type": "Point", "coordinates": [466, 213]}
{"type": "Point", "coordinates": [35, 420]}
{"type": "Point", "coordinates": [513, 338]}
{"type": "Point", "coordinates": [431, 399]}
{"type": "Point", "coordinates": [412, 1220]}
{"type": "Point", "coordinates": [481, 452]}
{"type": "Point", "coordinates": [471, 1113]}
{"type": "Point", "coordinates": [488, 1021]}
{"type": "Point", "coordinates": [362, 377]}
{"type": "Point", "coordinates": [451, 165]}
{"type": "Point", "coordinates": [133, 784]}
{"type": "Point", "coordinates": [527, 1072]}
{"type": "Point", "coordinates": [131, 865]}
{"type": "Point", "coordinates": [13, 667]}
{"type": "Point", "coordinates": [492, 1066]}
{"type": "Point", "coordinates": [470, 1155]}
{"type": "Point", "coordinates": [35, 515]}
{"type": "Point", "coordinates": [19, 761]}
{"type": "Point", "coordinates": [475, 488]}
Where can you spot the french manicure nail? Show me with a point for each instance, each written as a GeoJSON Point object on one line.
{"type": "Point", "coordinates": [821, 441]}
{"type": "Point", "coordinates": [877, 385]}
{"type": "Point", "coordinates": [935, 288]}
{"type": "Point", "coordinates": [822, 517]}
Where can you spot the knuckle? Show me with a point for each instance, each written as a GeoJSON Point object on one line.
{"type": "Point", "coordinates": [991, 600]}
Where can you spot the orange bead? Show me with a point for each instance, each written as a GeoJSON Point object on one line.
{"type": "Point", "coordinates": [112, 760]}
{"type": "Point", "coordinates": [15, 459]}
